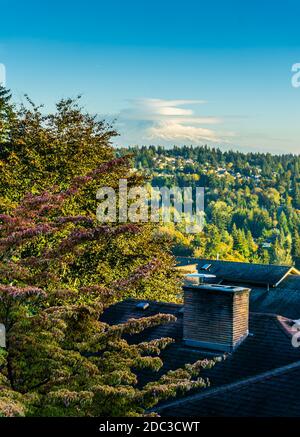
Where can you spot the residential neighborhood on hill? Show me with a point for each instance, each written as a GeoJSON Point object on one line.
{"type": "Point", "coordinates": [252, 201]}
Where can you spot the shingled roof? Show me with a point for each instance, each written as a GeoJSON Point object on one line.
{"type": "Point", "coordinates": [270, 394]}
{"type": "Point", "coordinates": [282, 296]}
{"type": "Point", "coordinates": [237, 272]}
{"type": "Point", "coordinates": [246, 372]}
{"type": "Point", "coordinates": [284, 300]}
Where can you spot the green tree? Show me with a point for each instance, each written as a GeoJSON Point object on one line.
{"type": "Point", "coordinates": [281, 251]}
{"type": "Point", "coordinates": [6, 117]}
{"type": "Point", "coordinates": [60, 359]}
{"type": "Point", "coordinates": [221, 214]}
{"type": "Point", "coordinates": [296, 244]}
{"type": "Point", "coordinates": [51, 150]}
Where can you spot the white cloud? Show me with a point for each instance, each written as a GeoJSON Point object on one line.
{"type": "Point", "coordinates": [171, 130]}
{"type": "Point", "coordinates": [169, 121]}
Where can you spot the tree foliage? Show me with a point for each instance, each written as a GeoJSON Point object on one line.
{"type": "Point", "coordinates": [60, 358]}
{"type": "Point", "coordinates": [71, 150]}
{"type": "Point", "coordinates": [60, 269]}
{"type": "Point", "coordinates": [252, 200]}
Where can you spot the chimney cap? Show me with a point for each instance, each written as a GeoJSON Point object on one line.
{"type": "Point", "coordinates": [200, 275]}
{"type": "Point", "coordinates": [218, 287]}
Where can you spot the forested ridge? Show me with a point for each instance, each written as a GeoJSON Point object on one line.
{"type": "Point", "coordinates": [252, 200]}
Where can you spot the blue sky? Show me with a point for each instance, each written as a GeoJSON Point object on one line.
{"type": "Point", "coordinates": [169, 72]}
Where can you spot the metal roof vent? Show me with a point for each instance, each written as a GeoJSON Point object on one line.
{"type": "Point", "coordinates": [142, 306]}
{"type": "Point", "coordinates": [197, 278]}
{"type": "Point", "coordinates": [205, 267]}
{"type": "Point", "coordinates": [180, 311]}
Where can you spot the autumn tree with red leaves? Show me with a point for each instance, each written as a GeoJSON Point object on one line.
{"type": "Point", "coordinates": [60, 269]}
{"type": "Point", "coordinates": [60, 359]}
{"type": "Point", "coordinates": [72, 150]}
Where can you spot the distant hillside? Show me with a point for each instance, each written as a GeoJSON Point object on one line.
{"type": "Point", "coordinates": [252, 200]}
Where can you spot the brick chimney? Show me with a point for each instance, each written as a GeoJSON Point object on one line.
{"type": "Point", "coordinates": [215, 316]}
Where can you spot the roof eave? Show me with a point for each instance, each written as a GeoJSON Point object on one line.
{"type": "Point", "coordinates": [291, 271]}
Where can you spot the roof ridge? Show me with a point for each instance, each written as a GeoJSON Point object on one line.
{"type": "Point", "coordinates": [232, 386]}
{"type": "Point", "coordinates": [154, 301]}
{"type": "Point", "coordinates": [236, 262]}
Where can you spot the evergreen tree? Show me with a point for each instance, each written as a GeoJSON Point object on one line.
{"type": "Point", "coordinates": [296, 244]}
{"type": "Point", "coordinates": [6, 117]}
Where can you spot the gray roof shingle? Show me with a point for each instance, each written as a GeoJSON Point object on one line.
{"type": "Point", "coordinates": [272, 394]}
{"type": "Point", "coordinates": [262, 376]}
{"type": "Point", "coordinates": [268, 347]}
{"type": "Point", "coordinates": [284, 299]}
{"type": "Point", "coordinates": [241, 272]}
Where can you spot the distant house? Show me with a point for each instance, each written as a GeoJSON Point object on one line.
{"type": "Point", "coordinates": [261, 373]}
{"type": "Point", "coordinates": [266, 245]}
